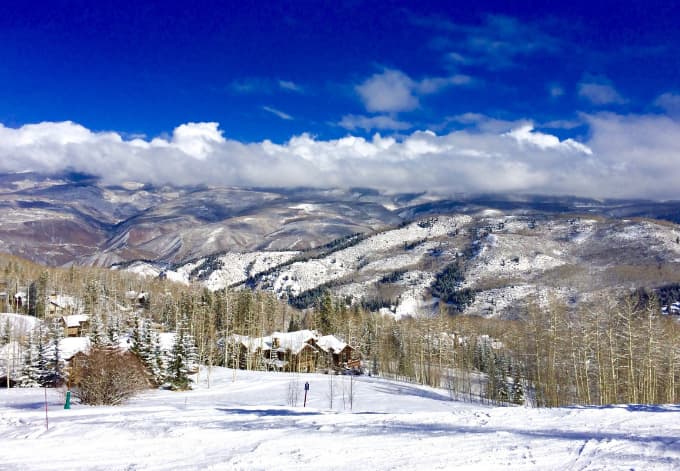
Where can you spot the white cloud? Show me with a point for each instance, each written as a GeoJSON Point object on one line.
{"type": "Point", "coordinates": [526, 135]}
{"type": "Point", "coordinates": [278, 113]}
{"type": "Point", "coordinates": [626, 156]}
{"type": "Point", "coordinates": [196, 139]}
{"type": "Point", "coordinates": [435, 84]}
{"type": "Point", "coordinates": [393, 91]}
{"type": "Point", "coordinates": [367, 123]}
{"type": "Point", "coordinates": [670, 102]}
{"type": "Point", "coordinates": [600, 93]}
{"type": "Point", "coordinates": [388, 91]}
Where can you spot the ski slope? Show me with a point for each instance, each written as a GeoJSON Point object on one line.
{"type": "Point", "coordinates": [244, 422]}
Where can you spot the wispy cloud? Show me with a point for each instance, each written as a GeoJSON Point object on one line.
{"type": "Point", "coordinates": [669, 102]}
{"type": "Point", "coordinates": [278, 113]}
{"type": "Point", "coordinates": [250, 85]}
{"type": "Point", "coordinates": [555, 90]}
{"type": "Point", "coordinates": [367, 123]}
{"type": "Point", "coordinates": [263, 85]}
{"type": "Point", "coordinates": [497, 42]}
{"type": "Point", "coordinates": [290, 86]}
{"type": "Point", "coordinates": [600, 92]}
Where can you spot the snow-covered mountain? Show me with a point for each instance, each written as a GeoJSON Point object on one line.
{"type": "Point", "coordinates": [506, 259]}
{"type": "Point", "coordinates": [387, 249]}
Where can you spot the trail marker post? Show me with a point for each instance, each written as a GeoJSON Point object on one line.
{"type": "Point", "coordinates": [306, 389]}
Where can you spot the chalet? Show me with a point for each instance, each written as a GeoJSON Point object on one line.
{"type": "Point", "coordinates": [337, 354]}
{"type": "Point", "coordinates": [302, 351]}
{"type": "Point", "coordinates": [75, 325]}
{"type": "Point", "coordinates": [62, 305]}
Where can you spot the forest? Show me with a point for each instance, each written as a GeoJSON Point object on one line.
{"type": "Point", "coordinates": [617, 348]}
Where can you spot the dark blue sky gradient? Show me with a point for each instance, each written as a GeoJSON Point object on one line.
{"type": "Point", "coordinates": [146, 67]}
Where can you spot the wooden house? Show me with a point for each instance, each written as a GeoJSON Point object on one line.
{"type": "Point", "coordinates": [62, 305]}
{"type": "Point", "coordinates": [302, 351]}
{"type": "Point", "coordinates": [338, 355]}
{"type": "Point", "coordinates": [75, 325]}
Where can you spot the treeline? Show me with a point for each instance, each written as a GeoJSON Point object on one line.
{"type": "Point", "coordinates": [615, 349]}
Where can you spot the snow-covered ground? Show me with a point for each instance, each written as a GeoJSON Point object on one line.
{"type": "Point", "coordinates": [248, 424]}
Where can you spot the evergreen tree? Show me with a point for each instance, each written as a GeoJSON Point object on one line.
{"type": "Point", "coordinates": [137, 345]}
{"type": "Point", "coordinates": [41, 365]}
{"type": "Point", "coordinates": [325, 314]}
{"type": "Point", "coordinates": [158, 368]}
{"type": "Point", "coordinates": [30, 372]}
{"type": "Point", "coordinates": [182, 358]}
{"type": "Point", "coordinates": [517, 388]}
{"type": "Point", "coordinates": [56, 362]}
{"type": "Point", "coordinates": [97, 332]}
{"type": "Point", "coordinates": [113, 331]}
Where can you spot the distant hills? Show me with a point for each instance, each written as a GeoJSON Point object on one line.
{"type": "Point", "coordinates": [386, 249]}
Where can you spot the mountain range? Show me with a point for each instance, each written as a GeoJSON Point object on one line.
{"type": "Point", "coordinates": [387, 249]}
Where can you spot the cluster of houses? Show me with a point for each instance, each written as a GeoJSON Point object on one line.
{"type": "Point", "coordinates": [303, 351]}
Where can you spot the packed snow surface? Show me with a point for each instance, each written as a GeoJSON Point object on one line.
{"type": "Point", "coordinates": [244, 422]}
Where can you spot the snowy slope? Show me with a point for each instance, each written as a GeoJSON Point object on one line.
{"type": "Point", "coordinates": [508, 257]}
{"type": "Point", "coordinates": [19, 324]}
{"type": "Point", "coordinates": [247, 425]}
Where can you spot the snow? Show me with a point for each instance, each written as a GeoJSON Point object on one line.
{"type": "Point", "coordinates": [69, 346]}
{"type": "Point", "coordinates": [63, 301]}
{"type": "Point", "coordinates": [75, 320]}
{"type": "Point", "coordinates": [20, 324]}
{"type": "Point", "coordinates": [243, 422]}
{"type": "Point", "coordinates": [328, 342]}
{"type": "Point", "coordinates": [302, 276]}
{"type": "Point", "coordinates": [293, 341]}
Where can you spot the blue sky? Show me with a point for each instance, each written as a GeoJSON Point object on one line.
{"type": "Point", "coordinates": [280, 71]}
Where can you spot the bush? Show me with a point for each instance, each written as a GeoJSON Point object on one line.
{"type": "Point", "coordinates": [107, 376]}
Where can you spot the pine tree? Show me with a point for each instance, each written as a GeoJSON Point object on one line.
{"type": "Point", "coordinates": [41, 367]}
{"type": "Point", "coordinates": [30, 372]}
{"type": "Point", "coordinates": [55, 362]}
{"type": "Point", "coordinates": [182, 358]}
{"type": "Point", "coordinates": [517, 388]}
{"type": "Point", "coordinates": [113, 331]}
{"type": "Point", "coordinates": [97, 332]}
{"type": "Point", "coordinates": [137, 346]}
{"type": "Point", "coordinates": [158, 369]}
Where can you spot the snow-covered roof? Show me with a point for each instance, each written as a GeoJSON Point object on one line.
{"type": "Point", "coordinates": [75, 320]}
{"type": "Point", "coordinates": [293, 341]}
{"type": "Point", "coordinates": [69, 346]}
{"type": "Point", "coordinates": [331, 342]}
{"type": "Point", "coordinates": [63, 301]}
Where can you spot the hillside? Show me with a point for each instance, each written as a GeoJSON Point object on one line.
{"type": "Point", "coordinates": [249, 424]}
{"type": "Point", "coordinates": [506, 258]}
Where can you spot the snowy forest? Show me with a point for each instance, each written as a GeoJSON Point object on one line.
{"type": "Point", "coordinates": [616, 349]}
